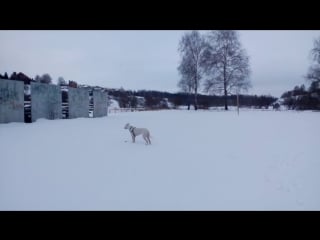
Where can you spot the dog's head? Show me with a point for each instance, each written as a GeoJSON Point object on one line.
{"type": "Point", "coordinates": [127, 126]}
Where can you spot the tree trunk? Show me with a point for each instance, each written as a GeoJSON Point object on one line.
{"type": "Point", "coordinates": [225, 89]}
{"type": "Point", "coordinates": [195, 95]}
{"type": "Point", "coordinates": [195, 102]}
{"type": "Point", "coordinates": [225, 101]}
{"type": "Point", "coordinates": [189, 99]}
{"type": "Point", "coordinates": [238, 102]}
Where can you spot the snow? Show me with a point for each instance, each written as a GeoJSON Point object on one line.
{"type": "Point", "coordinates": [113, 104]}
{"type": "Point", "coordinates": [204, 160]}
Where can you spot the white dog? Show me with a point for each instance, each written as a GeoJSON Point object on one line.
{"type": "Point", "coordinates": [137, 131]}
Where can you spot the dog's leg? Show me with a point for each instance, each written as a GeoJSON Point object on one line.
{"type": "Point", "coordinates": [133, 138]}
{"type": "Point", "coordinates": [148, 137]}
{"type": "Point", "coordinates": [145, 138]}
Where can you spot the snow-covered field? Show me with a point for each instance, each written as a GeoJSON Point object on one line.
{"type": "Point", "coordinates": [205, 160]}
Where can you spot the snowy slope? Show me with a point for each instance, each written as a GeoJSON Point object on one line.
{"type": "Point", "coordinates": [205, 160]}
{"type": "Point", "coordinates": [113, 104]}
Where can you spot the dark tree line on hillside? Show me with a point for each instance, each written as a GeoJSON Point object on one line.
{"type": "Point", "coordinates": [18, 77]}
{"type": "Point", "coordinates": [301, 98]}
{"type": "Point", "coordinates": [45, 78]}
{"type": "Point", "coordinates": [154, 99]}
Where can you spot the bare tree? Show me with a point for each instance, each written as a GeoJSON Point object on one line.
{"type": "Point", "coordinates": [226, 64]}
{"type": "Point", "coordinates": [314, 70]}
{"type": "Point", "coordinates": [46, 78]}
{"type": "Point", "coordinates": [316, 50]}
{"type": "Point", "coordinates": [191, 48]}
{"type": "Point", "coordinates": [5, 76]}
{"type": "Point", "coordinates": [61, 81]}
{"type": "Point", "coordinates": [186, 82]}
{"type": "Point", "coordinates": [37, 78]}
{"type": "Point", "coordinates": [314, 73]}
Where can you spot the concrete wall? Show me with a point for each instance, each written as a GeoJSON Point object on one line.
{"type": "Point", "coordinates": [11, 101]}
{"type": "Point", "coordinates": [78, 102]}
{"type": "Point", "coordinates": [45, 101]}
{"type": "Point", "coordinates": [100, 107]}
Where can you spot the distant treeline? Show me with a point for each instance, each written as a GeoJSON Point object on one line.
{"type": "Point", "coordinates": [127, 98]}
{"type": "Point", "coordinates": [301, 98]}
{"type": "Point", "coordinates": [17, 76]}
{"type": "Point", "coordinates": [45, 78]}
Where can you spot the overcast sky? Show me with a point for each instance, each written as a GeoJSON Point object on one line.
{"type": "Point", "coordinates": [148, 60]}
